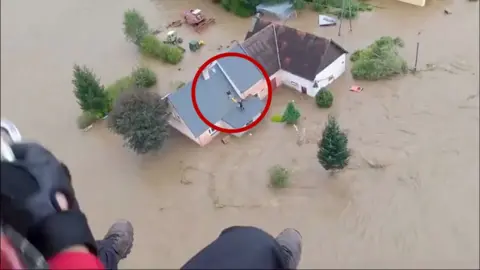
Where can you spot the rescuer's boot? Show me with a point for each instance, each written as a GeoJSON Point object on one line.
{"type": "Point", "coordinates": [121, 234]}
{"type": "Point", "coordinates": [291, 242]}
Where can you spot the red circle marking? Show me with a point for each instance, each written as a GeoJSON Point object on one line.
{"type": "Point", "coordinates": [269, 93]}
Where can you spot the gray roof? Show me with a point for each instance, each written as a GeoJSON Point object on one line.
{"type": "Point", "coordinates": [242, 72]}
{"type": "Point", "coordinates": [214, 103]}
{"type": "Point", "coordinates": [252, 107]}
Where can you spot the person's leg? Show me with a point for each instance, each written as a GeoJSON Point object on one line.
{"type": "Point", "coordinates": [116, 244]}
{"type": "Point", "coordinates": [290, 240]}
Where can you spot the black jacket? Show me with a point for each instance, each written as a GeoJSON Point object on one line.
{"type": "Point", "coordinates": [240, 248]}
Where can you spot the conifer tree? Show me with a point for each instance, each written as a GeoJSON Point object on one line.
{"type": "Point", "coordinates": [333, 153]}
{"type": "Point", "coordinates": [291, 114]}
{"type": "Point", "coordinates": [90, 94]}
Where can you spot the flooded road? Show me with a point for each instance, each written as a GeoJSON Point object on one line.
{"type": "Point", "coordinates": [421, 210]}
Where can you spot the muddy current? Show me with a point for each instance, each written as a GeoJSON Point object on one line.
{"type": "Point", "coordinates": [410, 197]}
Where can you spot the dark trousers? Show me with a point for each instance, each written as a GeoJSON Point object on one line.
{"type": "Point", "coordinates": [107, 254]}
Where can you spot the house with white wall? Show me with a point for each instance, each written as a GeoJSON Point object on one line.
{"type": "Point", "coordinates": [232, 91]}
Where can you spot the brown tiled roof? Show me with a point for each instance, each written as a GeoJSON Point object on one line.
{"type": "Point", "coordinates": [263, 48]}
{"type": "Point", "coordinates": [300, 53]}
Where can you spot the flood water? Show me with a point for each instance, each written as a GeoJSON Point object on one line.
{"type": "Point", "coordinates": [421, 209]}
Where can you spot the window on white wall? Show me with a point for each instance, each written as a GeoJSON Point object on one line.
{"type": "Point", "coordinates": [212, 131]}
{"type": "Point", "coordinates": [294, 83]}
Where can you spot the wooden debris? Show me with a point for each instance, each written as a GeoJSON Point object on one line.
{"type": "Point", "coordinates": [226, 139]}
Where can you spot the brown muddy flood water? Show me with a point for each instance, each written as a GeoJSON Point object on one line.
{"type": "Point", "coordinates": [421, 210]}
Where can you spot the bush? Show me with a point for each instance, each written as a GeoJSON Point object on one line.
{"type": "Point", "coordinates": [324, 98]}
{"type": "Point", "coordinates": [90, 94]}
{"type": "Point", "coordinates": [86, 119]}
{"type": "Point", "coordinates": [141, 118]}
{"type": "Point", "coordinates": [277, 118]}
{"type": "Point", "coordinates": [173, 55]}
{"type": "Point", "coordinates": [144, 77]}
{"type": "Point", "coordinates": [135, 27]}
{"type": "Point", "coordinates": [119, 86]}
{"type": "Point", "coordinates": [279, 177]}
{"type": "Point", "coordinates": [153, 47]}
{"type": "Point", "coordinates": [380, 60]}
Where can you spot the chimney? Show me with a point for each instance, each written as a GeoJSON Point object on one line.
{"type": "Point", "coordinates": [205, 74]}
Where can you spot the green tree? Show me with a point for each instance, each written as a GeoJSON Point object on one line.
{"type": "Point", "coordinates": [324, 98]}
{"type": "Point", "coordinates": [141, 118]}
{"type": "Point", "coordinates": [291, 114]}
{"type": "Point", "coordinates": [333, 153]}
{"type": "Point", "coordinates": [144, 77]}
{"type": "Point", "coordinates": [135, 27]}
{"type": "Point", "coordinates": [299, 4]}
{"type": "Point", "coordinates": [90, 94]}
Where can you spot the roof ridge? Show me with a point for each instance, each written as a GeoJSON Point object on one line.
{"type": "Point", "coordinates": [276, 45]}
{"type": "Point", "coordinates": [230, 81]}
{"type": "Point", "coordinates": [323, 55]}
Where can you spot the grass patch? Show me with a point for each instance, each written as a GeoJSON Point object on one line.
{"type": "Point", "coordinates": [380, 60]}
{"type": "Point", "coordinates": [279, 177]}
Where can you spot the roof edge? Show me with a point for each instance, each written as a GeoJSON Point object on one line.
{"type": "Point", "coordinates": [183, 121]}
{"type": "Point", "coordinates": [339, 46]}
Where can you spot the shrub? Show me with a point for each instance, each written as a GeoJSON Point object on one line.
{"type": "Point", "coordinates": [333, 153]}
{"type": "Point", "coordinates": [291, 114]}
{"type": "Point", "coordinates": [135, 27]}
{"type": "Point", "coordinates": [153, 47]}
{"type": "Point", "coordinates": [119, 86]}
{"type": "Point", "coordinates": [277, 118]}
{"type": "Point", "coordinates": [86, 119]}
{"type": "Point", "coordinates": [380, 60]}
{"type": "Point", "coordinates": [279, 177]}
{"type": "Point", "coordinates": [144, 77]}
{"type": "Point", "coordinates": [90, 94]}
{"type": "Point", "coordinates": [173, 55]}
{"type": "Point", "coordinates": [141, 118]}
{"type": "Point", "coordinates": [324, 98]}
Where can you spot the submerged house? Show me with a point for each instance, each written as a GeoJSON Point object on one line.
{"type": "Point", "coordinates": [231, 92]}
